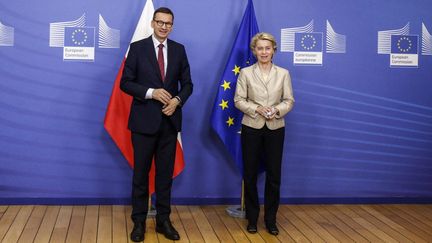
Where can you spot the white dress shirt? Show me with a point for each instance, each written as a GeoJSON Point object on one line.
{"type": "Point", "coordinates": [156, 43]}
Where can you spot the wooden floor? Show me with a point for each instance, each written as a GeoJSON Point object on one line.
{"type": "Point", "coordinates": [297, 223]}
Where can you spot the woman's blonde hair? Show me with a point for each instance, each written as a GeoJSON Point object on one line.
{"type": "Point", "coordinates": [263, 36]}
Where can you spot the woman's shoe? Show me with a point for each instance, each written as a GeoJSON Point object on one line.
{"type": "Point", "coordinates": [252, 228]}
{"type": "Point", "coordinates": [272, 229]}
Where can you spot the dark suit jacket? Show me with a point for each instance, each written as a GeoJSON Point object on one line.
{"type": "Point", "coordinates": [141, 72]}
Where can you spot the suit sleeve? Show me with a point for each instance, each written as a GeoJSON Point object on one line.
{"type": "Point", "coordinates": [241, 100]}
{"type": "Point", "coordinates": [287, 99]}
{"type": "Point", "coordinates": [128, 82]}
{"type": "Point", "coordinates": [186, 85]}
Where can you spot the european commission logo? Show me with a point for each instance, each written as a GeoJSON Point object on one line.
{"type": "Point", "coordinates": [404, 50]}
{"type": "Point", "coordinates": [6, 35]}
{"type": "Point", "coordinates": [78, 40]}
{"type": "Point", "coordinates": [399, 45]}
{"type": "Point", "coordinates": [403, 47]}
{"type": "Point", "coordinates": [307, 46]}
{"type": "Point", "coordinates": [79, 43]}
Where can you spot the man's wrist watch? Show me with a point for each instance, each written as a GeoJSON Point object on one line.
{"type": "Point", "coordinates": [178, 98]}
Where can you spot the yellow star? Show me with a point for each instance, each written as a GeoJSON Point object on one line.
{"type": "Point", "coordinates": [236, 70]}
{"type": "Point", "coordinates": [230, 121]}
{"type": "Point", "coordinates": [226, 85]}
{"type": "Point", "coordinates": [224, 104]}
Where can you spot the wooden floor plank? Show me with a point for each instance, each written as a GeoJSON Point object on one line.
{"type": "Point", "coordinates": [203, 224]}
{"type": "Point", "coordinates": [119, 224]}
{"type": "Point", "coordinates": [351, 233]}
{"type": "Point", "coordinates": [329, 226]}
{"type": "Point", "coordinates": [416, 213]}
{"type": "Point", "coordinates": [105, 224]}
{"type": "Point", "coordinates": [217, 225]}
{"type": "Point", "coordinates": [150, 234]}
{"type": "Point", "coordinates": [3, 209]}
{"type": "Point", "coordinates": [76, 224]}
{"type": "Point", "coordinates": [379, 221]}
{"type": "Point", "coordinates": [233, 228]}
{"type": "Point", "coordinates": [129, 223]}
{"type": "Point", "coordinates": [414, 233]}
{"type": "Point", "coordinates": [33, 224]}
{"type": "Point", "coordinates": [47, 226]}
{"type": "Point", "coordinates": [189, 224]}
{"type": "Point", "coordinates": [242, 223]}
{"type": "Point", "coordinates": [18, 225]}
{"type": "Point", "coordinates": [90, 228]}
{"type": "Point", "coordinates": [426, 209]}
{"type": "Point", "coordinates": [7, 220]}
{"type": "Point", "coordinates": [399, 232]}
{"type": "Point", "coordinates": [299, 224]}
{"type": "Point", "coordinates": [178, 224]}
{"type": "Point", "coordinates": [310, 221]}
{"type": "Point", "coordinates": [411, 219]}
{"type": "Point", "coordinates": [347, 209]}
{"type": "Point", "coordinates": [62, 225]}
{"type": "Point", "coordinates": [285, 224]}
{"type": "Point", "coordinates": [338, 211]}
{"type": "Point", "coordinates": [208, 224]}
{"type": "Point", "coordinates": [267, 237]}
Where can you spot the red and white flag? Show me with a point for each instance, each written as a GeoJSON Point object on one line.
{"type": "Point", "coordinates": [117, 114]}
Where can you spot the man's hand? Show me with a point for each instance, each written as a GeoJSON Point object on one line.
{"type": "Point", "coordinates": [162, 95]}
{"type": "Point", "coordinates": [170, 107]}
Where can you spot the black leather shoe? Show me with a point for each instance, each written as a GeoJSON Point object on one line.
{"type": "Point", "coordinates": [168, 230]}
{"type": "Point", "coordinates": [272, 229]}
{"type": "Point", "coordinates": [137, 233]}
{"type": "Point", "coordinates": [252, 228]}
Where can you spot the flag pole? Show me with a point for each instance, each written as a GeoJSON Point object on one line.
{"type": "Point", "coordinates": [242, 198]}
{"type": "Point", "coordinates": [226, 119]}
{"type": "Point", "coordinates": [238, 211]}
{"type": "Point", "coordinates": [151, 213]}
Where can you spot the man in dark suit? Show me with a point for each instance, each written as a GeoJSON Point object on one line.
{"type": "Point", "coordinates": [153, 70]}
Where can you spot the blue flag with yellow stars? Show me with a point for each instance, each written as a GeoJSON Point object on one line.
{"type": "Point", "coordinates": [404, 44]}
{"type": "Point", "coordinates": [225, 118]}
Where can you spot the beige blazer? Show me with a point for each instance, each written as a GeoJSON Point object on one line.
{"type": "Point", "coordinates": [252, 91]}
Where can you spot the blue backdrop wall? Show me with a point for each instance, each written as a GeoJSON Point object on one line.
{"type": "Point", "coordinates": [360, 131]}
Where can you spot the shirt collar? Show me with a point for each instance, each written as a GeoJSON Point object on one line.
{"type": "Point", "coordinates": [156, 42]}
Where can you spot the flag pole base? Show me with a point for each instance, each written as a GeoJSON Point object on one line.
{"type": "Point", "coordinates": [151, 212]}
{"type": "Point", "coordinates": [236, 211]}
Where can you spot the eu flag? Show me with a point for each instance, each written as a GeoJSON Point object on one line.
{"type": "Point", "coordinates": [79, 37]}
{"type": "Point", "coordinates": [225, 118]}
{"type": "Point", "coordinates": [308, 42]}
{"type": "Point", "coordinates": [404, 44]}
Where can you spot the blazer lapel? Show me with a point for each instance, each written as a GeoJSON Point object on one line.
{"type": "Point", "coordinates": [272, 73]}
{"type": "Point", "coordinates": [170, 59]}
{"type": "Point", "coordinates": [258, 76]}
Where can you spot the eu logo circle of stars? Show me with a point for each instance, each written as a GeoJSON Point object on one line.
{"type": "Point", "coordinates": [404, 44]}
{"type": "Point", "coordinates": [308, 42]}
{"type": "Point", "coordinates": [79, 37]}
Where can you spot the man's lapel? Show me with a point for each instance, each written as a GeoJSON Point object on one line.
{"type": "Point", "coordinates": [170, 60]}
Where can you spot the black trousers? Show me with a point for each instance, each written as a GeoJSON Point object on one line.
{"type": "Point", "coordinates": [162, 147]}
{"type": "Point", "coordinates": [262, 145]}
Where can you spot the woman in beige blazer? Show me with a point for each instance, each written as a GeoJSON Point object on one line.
{"type": "Point", "coordinates": [264, 94]}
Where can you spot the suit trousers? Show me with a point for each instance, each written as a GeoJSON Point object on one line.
{"type": "Point", "coordinates": [161, 146]}
{"type": "Point", "coordinates": [262, 145]}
